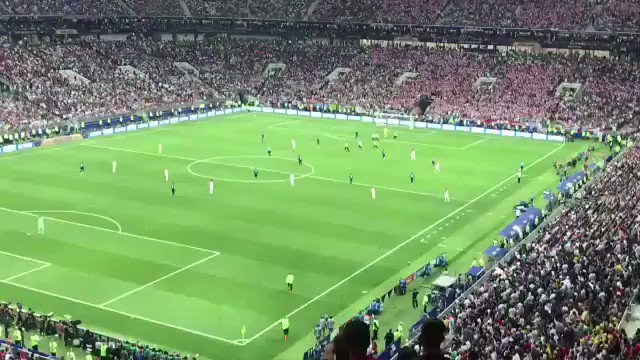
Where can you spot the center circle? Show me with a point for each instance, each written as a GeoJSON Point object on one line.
{"type": "Point", "coordinates": [213, 159]}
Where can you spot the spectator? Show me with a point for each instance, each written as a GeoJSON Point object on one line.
{"type": "Point", "coordinates": [357, 339]}
{"type": "Point", "coordinates": [431, 337]}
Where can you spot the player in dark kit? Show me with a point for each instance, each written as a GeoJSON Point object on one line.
{"type": "Point", "coordinates": [350, 178]}
{"type": "Point", "coordinates": [356, 134]}
{"type": "Point", "coordinates": [255, 173]}
{"type": "Point", "coordinates": [269, 150]}
{"type": "Point", "coordinates": [411, 178]}
{"type": "Point", "coordinates": [317, 142]}
{"type": "Point", "coordinates": [384, 154]}
{"type": "Point", "coordinates": [262, 138]}
{"type": "Point", "coordinates": [81, 167]}
{"type": "Point", "coordinates": [433, 162]}
{"type": "Point", "coordinates": [173, 189]}
{"type": "Point", "coordinates": [299, 160]}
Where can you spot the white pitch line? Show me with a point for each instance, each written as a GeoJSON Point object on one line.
{"type": "Point", "coordinates": [77, 301]}
{"type": "Point", "coordinates": [394, 249]}
{"type": "Point", "coordinates": [274, 171]}
{"type": "Point", "coordinates": [27, 272]}
{"type": "Point", "coordinates": [78, 212]}
{"type": "Point", "coordinates": [157, 280]}
{"type": "Point", "coordinates": [114, 231]}
{"type": "Point", "coordinates": [24, 258]}
{"type": "Point", "coordinates": [474, 143]}
{"type": "Point", "coordinates": [282, 123]}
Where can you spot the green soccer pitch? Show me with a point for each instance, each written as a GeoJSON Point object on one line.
{"type": "Point", "coordinates": [188, 272]}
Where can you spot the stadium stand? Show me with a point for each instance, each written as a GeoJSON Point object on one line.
{"type": "Point", "coordinates": [564, 295]}
{"type": "Point", "coordinates": [69, 81]}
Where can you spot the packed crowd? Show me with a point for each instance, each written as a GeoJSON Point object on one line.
{"type": "Point", "coordinates": [564, 295]}
{"type": "Point", "coordinates": [54, 83]}
{"type": "Point", "coordinates": [616, 15]}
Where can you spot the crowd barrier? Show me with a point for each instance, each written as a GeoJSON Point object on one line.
{"type": "Point", "coordinates": [407, 123]}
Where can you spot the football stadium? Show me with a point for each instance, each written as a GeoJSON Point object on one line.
{"type": "Point", "coordinates": [319, 180]}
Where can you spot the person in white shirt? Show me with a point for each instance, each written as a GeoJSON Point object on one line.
{"type": "Point", "coordinates": [293, 144]}
{"type": "Point", "coordinates": [211, 186]}
{"type": "Point", "coordinates": [437, 168]}
{"type": "Point", "coordinates": [114, 164]}
{"type": "Point", "coordinates": [292, 178]}
{"type": "Point", "coordinates": [159, 148]}
{"type": "Point", "coordinates": [413, 154]}
{"type": "Point", "coordinates": [166, 175]}
{"type": "Point", "coordinates": [373, 193]}
{"type": "Point", "coordinates": [446, 195]}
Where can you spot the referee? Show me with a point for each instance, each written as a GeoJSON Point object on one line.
{"type": "Point", "coordinates": [285, 328]}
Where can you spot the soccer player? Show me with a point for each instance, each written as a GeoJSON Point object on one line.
{"type": "Point", "coordinates": [384, 154]}
{"type": "Point", "coordinates": [255, 173]}
{"type": "Point", "coordinates": [173, 189]}
{"type": "Point", "coordinates": [413, 154]}
{"type": "Point", "coordinates": [411, 177]}
{"type": "Point", "coordinates": [356, 134]}
{"type": "Point", "coordinates": [395, 135]}
{"type": "Point", "coordinates": [289, 281]}
{"type": "Point", "coordinates": [114, 164]}
{"type": "Point", "coordinates": [262, 138]}
{"type": "Point", "coordinates": [437, 168]}
{"type": "Point", "coordinates": [293, 144]}
{"type": "Point", "coordinates": [385, 132]}
{"type": "Point", "coordinates": [160, 149]}
{"type": "Point", "coordinates": [211, 186]}
{"type": "Point", "coordinates": [285, 328]}
{"type": "Point", "coordinates": [446, 195]}
{"type": "Point", "coordinates": [519, 175]}
{"type": "Point", "coordinates": [269, 150]}
{"type": "Point", "coordinates": [292, 178]}
{"type": "Point", "coordinates": [433, 162]}
{"type": "Point", "coordinates": [521, 165]}
{"type": "Point", "coordinates": [350, 178]}
{"type": "Point", "coordinates": [299, 160]}
{"type": "Point", "coordinates": [375, 144]}
{"type": "Point", "coordinates": [166, 175]}
{"type": "Point", "coordinates": [373, 193]}
{"type": "Point", "coordinates": [359, 144]}
{"type": "Point", "coordinates": [81, 167]}
{"type": "Point", "coordinates": [40, 225]}
{"type": "Point", "coordinates": [346, 147]}
{"type": "Point", "coordinates": [317, 142]}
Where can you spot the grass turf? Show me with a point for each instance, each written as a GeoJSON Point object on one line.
{"type": "Point", "coordinates": [187, 272]}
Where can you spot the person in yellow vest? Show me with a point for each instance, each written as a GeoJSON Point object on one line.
{"type": "Point", "coordinates": [53, 345]}
{"type": "Point", "coordinates": [35, 342]}
{"type": "Point", "coordinates": [481, 262]}
{"type": "Point", "coordinates": [17, 336]}
{"type": "Point", "coordinates": [70, 355]}
{"type": "Point", "coordinates": [103, 350]}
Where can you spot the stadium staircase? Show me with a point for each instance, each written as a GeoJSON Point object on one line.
{"type": "Point", "coordinates": [185, 8]}
{"type": "Point", "coordinates": [311, 9]}
{"type": "Point", "coordinates": [128, 9]}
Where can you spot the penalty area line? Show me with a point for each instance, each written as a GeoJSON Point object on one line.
{"type": "Point", "coordinates": [402, 244]}
{"type": "Point", "coordinates": [132, 316]}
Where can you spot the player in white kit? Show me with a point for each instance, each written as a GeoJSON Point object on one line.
{"type": "Point", "coordinates": [159, 148]}
{"type": "Point", "coordinates": [211, 186]}
{"type": "Point", "coordinates": [166, 175]}
{"type": "Point", "coordinates": [413, 154]}
{"type": "Point", "coordinates": [446, 195]}
{"type": "Point", "coordinates": [114, 164]}
{"type": "Point", "coordinates": [437, 167]}
{"type": "Point", "coordinates": [293, 144]}
{"type": "Point", "coordinates": [373, 193]}
{"type": "Point", "coordinates": [292, 178]}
